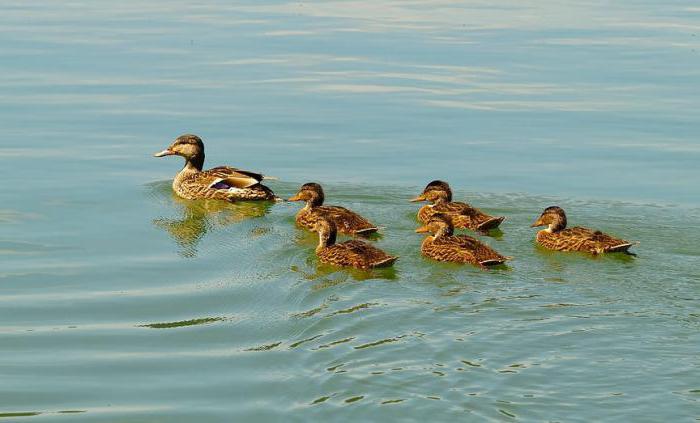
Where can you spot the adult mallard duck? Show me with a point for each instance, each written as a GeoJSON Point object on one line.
{"type": "Point", "coordinates": [221, 183]}
{"type": "Point", "coordinates": [557, 237]}
{"type": "Point", "coordinates": [347, 221]}
{"type": "Point", "coordinates": [353, 253]}
{"type": "Point", "coordinates": [463, 215]}
{"type": "Point", "coordinates": [443, 245]}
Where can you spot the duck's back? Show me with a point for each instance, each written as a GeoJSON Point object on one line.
{"type": "Point", "coordinates": [461, 249]}
{"type": "Point", "coordinates": [581, 239]}
{"type": "Point", "coordinates": [355, 253]}
{"type": "Point", "coordinates": [222, 183]}
{"type": "Point", "coordinates": [463, 215]}
{"type": "Point", "coordinates": [347, 221]}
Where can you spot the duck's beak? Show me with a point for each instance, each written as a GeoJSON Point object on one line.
{"type": "Point", "coordinates": [295, 198]}
{"type": "Point", "coordinates": [538, 222]}
{"type": "Point", "coordinates": [166, 152]}
{"type": "Point", "coordinates": [418, 199]}
{"type": "Point", "coordinates": [422, 230]}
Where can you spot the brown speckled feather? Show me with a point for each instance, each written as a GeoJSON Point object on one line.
{"type": "Point", "coordinates": [582, 239]}
{"type": "Point", "coordinates": [222, 183]}
{"type": "Point", "coordinates": [356, 254]}
{"type": "Point", "coordinates": [347, 221]}
{"type": "Point", "coordinates": [463, 215]}
{"type": "Point", "coordinates": [460, 249]}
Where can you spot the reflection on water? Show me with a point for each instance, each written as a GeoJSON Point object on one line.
{"type": "Point", "coordinates": [183, 323]}
{"type": "Point", "coordinates": [196, 217]}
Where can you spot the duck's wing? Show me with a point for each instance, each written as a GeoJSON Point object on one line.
{"type": "Point", "coordinates": [356, 253]}
{"type": "Point", "coordinates": [596, 241]}
{"type": "Point", "coordinates": [466, 216]}
{"type": "Point", "coordinates": [225, 177]}
{"type": "Point", "coordinates": [346, 220]}
{"type": "Point", "coordinates": [484, 254]}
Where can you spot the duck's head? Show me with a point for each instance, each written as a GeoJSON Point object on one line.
{"type": "Point", "coordinates": [310, 192]}
{"type": "Point", "coordinates": [439, 225]}
{"type": "Point", "coordinates": [188, 146]}
{"type": "Point", "coordinates": [327, 231]}
{"type": "Point", "coordinates": [553, 217]}
{"type": "Point", "coordinates": [434, 192]}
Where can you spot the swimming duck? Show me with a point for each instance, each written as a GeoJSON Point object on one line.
{"type": "Point", "coordinates": [347, 221]}
{"type": "Point", "coordinates": [221, 183]}
{"type": "Point", "coordinates": [463, 215]}
{"type": "Point", "coordinates": [557, 237]}
{"type": "Point", "coordinates": [353, 253]}
{"type": "Point", "coordinates": [443, 245]}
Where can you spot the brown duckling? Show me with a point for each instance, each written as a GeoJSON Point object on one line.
{"type": "Point", "coordinates": [353, 253]}
{"type": "Point", "coordinates": [347, 221]}
{"type": "Point", "coordinates": [221, 183]}
{"type": "Point", "coordinates": [463, 215]}
{"type": "Point", "coordinates": [443, 245]}
{"type": "Point", "coordinates": [557, 237]}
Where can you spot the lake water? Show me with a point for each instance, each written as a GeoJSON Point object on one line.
{"type": "Point", "coordinates": [121, 302]}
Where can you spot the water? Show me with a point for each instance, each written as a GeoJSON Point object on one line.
{"type": "Point", "coordinates": [120, 302]}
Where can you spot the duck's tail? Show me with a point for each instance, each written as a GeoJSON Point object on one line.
{"type": "Point", "coordinates": [385, 262]}
{"type": "Point", "coordinates": [492, 223]}
{"type": "Point", "coordinates": [494, 262]}
{"type": "Point", "coordinates": [366, 231]}
{"type": "Point", "coordinates": [621, 248]}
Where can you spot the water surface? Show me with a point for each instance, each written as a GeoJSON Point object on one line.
{"type": "Point", "coordinates": [121, 302]}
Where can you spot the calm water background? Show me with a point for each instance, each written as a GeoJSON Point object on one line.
{"type": "Point", "coordinates": [120, 302]}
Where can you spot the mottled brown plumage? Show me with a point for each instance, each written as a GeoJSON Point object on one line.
{"type": "Point", "coordinates": [353, 253]}
{"type": "Point", "coordinates": [347, 221]}
{"type": "Point", "coordinates": [221, 183]}
{"type": "Point", "coordinates": [560, 238]}
{"type": "Point", "coordinates": [463, 215]}
{"type": "Point", "coordinates": [443, 245]}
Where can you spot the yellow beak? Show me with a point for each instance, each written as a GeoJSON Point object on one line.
{"type": "Point", "coordinates": [294, 198]}
{"type": "Point", "coordinates": [418, 199]}
{"type": "Point", "coordinates": [422, 230]}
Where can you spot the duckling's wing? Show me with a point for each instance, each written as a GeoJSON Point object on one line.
{"type": "Point", "coordinates": [225, 177]}
{"type": "Point", "coordinates": [597, 241]}
{"type": "Point", "coordinates": [372, 255]}
{"type": "Point", "coordinates": [465, 216]}
{"type": "Point", "coordinates": [481, 252]}
{"type": "Point", "coordinates": [346, 220]}
{"type": "Point", "coordinates": [449, 248]}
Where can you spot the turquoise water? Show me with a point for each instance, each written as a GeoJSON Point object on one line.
{"type": "Point", "coordinates": [121, 302]}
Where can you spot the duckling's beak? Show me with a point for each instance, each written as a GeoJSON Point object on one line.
{"type": "Point", "coordinates": [538, 222]}
{"type": "Point", "coordinates": [166, 152]}
{"type": "Point", "coordinates": [422, 230]}
{"type": "Point", "coordinates": [295, 198]}
{"type": "Point", "coordinates": [418, 199]}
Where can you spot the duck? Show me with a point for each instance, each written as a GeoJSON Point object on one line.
{"type": "Point", "coordinates": [221, 183]}
{"type": "Point", "coordinates": [353, 253]}
{"type": "Point", "coordinates": [443, 245]}
{"type": "Point", "coordinates": [347, 221]}
{"type": "Point", "coordinates": [556, 236]}
{"type": "Point", "coordinates": [464, 216]}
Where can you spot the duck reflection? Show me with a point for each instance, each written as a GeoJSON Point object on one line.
{"type": "Point", "coordinates": [325, 275]}
{"type": "Point", "coordinates": [200, 216]}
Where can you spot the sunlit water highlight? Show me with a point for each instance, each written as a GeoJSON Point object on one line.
{"type": "Point", "coordinates": [121, 302]}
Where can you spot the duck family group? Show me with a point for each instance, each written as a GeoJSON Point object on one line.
{"type": "Point", "coordinates": [440, 217]}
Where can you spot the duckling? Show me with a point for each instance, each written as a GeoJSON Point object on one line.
{"type": "Point", "coordinates": [347, 221]}
{"type": "Point", "coordinates": [353, 253]}
{"type": "Point", "coordinates": [221, 183]}
{"type": "Point", "coordinates": [445, 246]}
{"type": "Point", "coordinates": [463, 215]}
{"type": "Point", "coordinates": [557, 237]}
